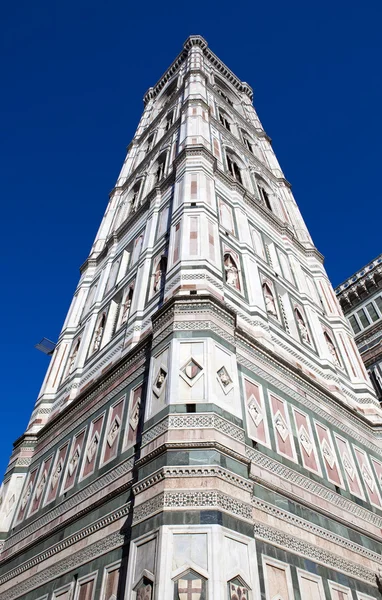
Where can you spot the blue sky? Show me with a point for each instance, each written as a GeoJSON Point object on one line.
{"type": "Point", "coordinates": [73, 76]}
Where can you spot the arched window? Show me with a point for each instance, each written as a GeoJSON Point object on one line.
{"type": "Point", "coordinates": [264, 196]}
{"type": "Point", "coordinates": [169, 91]}
{"type": "Point", "coordinates": [149, 144]}
{"type": "Point", "coordinates": [224, 119]}
{"type": "Point", "coordinates": [302, 326]}
{"type": "Point", "coordinates": [269, 300]}
{"type": "Point", "coordinates": [134, 200]}
{"type": "Point", "coordinates": [97, 338]}
{"type": "Point", "coordinates": [160, 167]}
{"type": "Point", "coordinates": [233, 168]}
{"type": "Point", "coordinates": [169, 120]}
{"type": "Point", "coordinates": [231, 271]}
{"type": "Point", "coordinates": [224, 96]}
{"type": "Point", "coordinates": [247, 141]}
{"type": "Point", "coordinates": [159, 274]}
{"type": "Point", "coordinates": [332, 349]}
{"type": "Point", "coordinates": [225, 91]}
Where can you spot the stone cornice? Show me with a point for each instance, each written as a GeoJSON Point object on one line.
{"type": "Point", "coordinates": [198, 41]}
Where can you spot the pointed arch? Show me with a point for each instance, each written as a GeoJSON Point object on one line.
{"type": "Point", "coordinates": [235, 166]}
{"type": "Point", "coordinates": [224, 118]}
{"type": "Point", "coordinates": [265, 193]}
{"type": "Point", "coordinates": [247, 141]}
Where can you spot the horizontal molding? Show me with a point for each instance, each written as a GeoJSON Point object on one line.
{"type": "Point", "coordinates": [298, 546]}
{"type": "Point", "coordinates": [186, 471]}
{"type": "Point", "coordinates": [99, 484]}
{"type": "Point", "coordinates": [295, 478]}
{"type": "Point", "coordinates": [195, 500]}
{"type": "Point", "coordinates": [67, 542]}
{"type": "Point", "coordinates": [65, 565]}
{"type": "Point", "coordinates": [289, 517]}
{"type": "Point", "coordinates": [194, 421]}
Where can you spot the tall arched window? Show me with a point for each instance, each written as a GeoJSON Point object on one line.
{"type": "Point", "coordinates": [169, 120]}
{"type": "Point", "coordinates": [233, 168]}
{"type": "Point", "coordinates": [134, 200]}
{"type": "Point", "coordinates": [247, 141]}
{"type": "Point", "coordinates": [224, 96]}
{"type": "Point", "coordinates": [160, 167]}
{"type": "Point", "coordinates": [264, 196]}
{"type": "Point", "coordinates": [224, 119]}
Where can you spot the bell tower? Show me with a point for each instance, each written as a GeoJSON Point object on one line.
{"type": "Point", "coordinates": [206, 429]}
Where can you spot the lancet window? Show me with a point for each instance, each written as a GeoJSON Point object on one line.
{"type": "Point", "coordinates": [224, 119]}
{"type": "Point", "coordinates": [233, 168]}
{"type": "Point", "coordinates": [160, 167]}
{"type": "Point", "coordinates": [265, 197]}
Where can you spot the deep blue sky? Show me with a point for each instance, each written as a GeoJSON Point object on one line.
{"type": "Point", "coordinates": [73, 75]}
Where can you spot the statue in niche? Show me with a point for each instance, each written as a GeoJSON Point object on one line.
{"type": "Point", "coordinates": [302, 327]}
{"type": "Point", "coordinates": [73, 462]}
{"type": "Point", "coordinates": [332, 350]}
{"type": "Point", "coordinates": [270, 304]}
{"type": "Point", "coordinates": [160, 273]}
{"type": "Point", "coordinates": [134, 418]}
{"type": "Point", "coordinates": [26, 496]}
{"type": "Point", "coordinates": [40, 486]}
{"type": "Point", "coordinates": [126, 306]}
{"type": "Point", "coordinates": [92, 448]}
{"type": "Point", "coordinates": [98, 334]}
{"type": "Point", "coordinates": [113, 432]}
{"type": "Point", "coordinates": [56, 475]}
{"type": "Point", "coordinates": [231, 271]}
{"type": "Point", "coordinates": [73, 358]}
